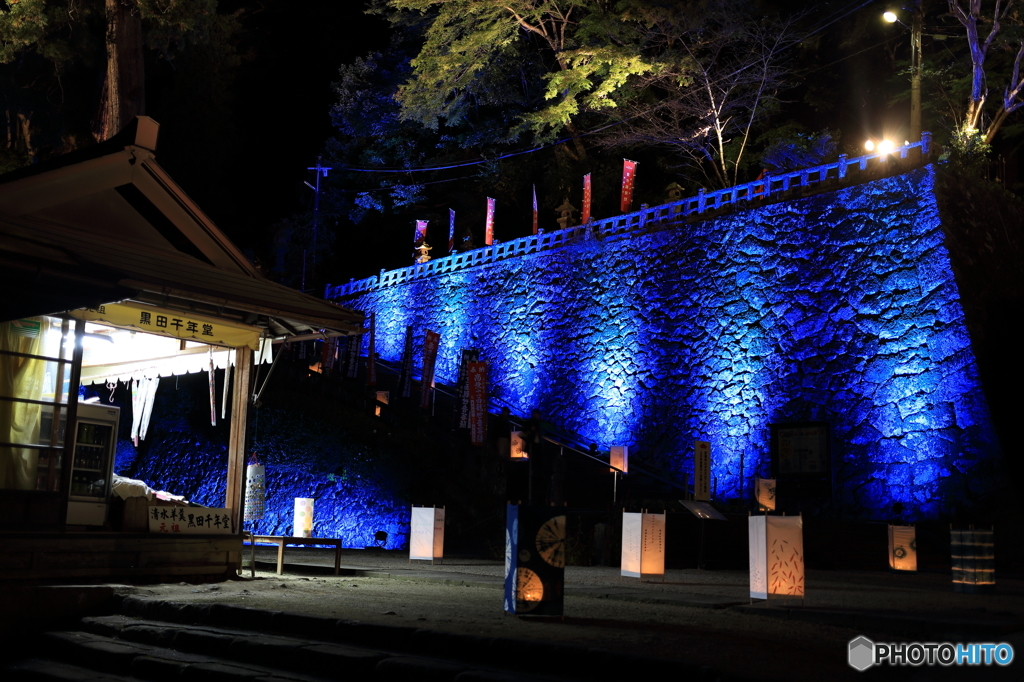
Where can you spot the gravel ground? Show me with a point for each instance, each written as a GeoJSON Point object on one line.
{"type": "Point", "coordinates": [670, 619]}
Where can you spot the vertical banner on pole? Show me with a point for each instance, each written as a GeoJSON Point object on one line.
{"type": "Point", "coordinates": [628, 176]}
{"type": "Point", "coordinates": [355, 344]}
{"type": "Point", "coordinates": [477, 402]}
{"type": "Point", "coordinates": [462, 388]}
{"type": "Point", "coordinates": [255, 490]}
{"type": "Point", "coordinates": [534, 560]}
{"type": "Point", "coordinates": [451, 230]}
{"type": "Point", "coordinates": [586, 200]}
{"type": "Point", "coordinates": [702, 471]}
{"type": "Point", "coordinates": [426, 535]}
{"type": "Point", "coordinates": [430, 343]}
{"type": "Point", "coordinates": [405, 378]}
{"type": "Point", "coordinates": [536, 215]}
{"type": "Point", "coordinates": [489, 224]}
{"type": "Point", "coordinates": [371, 355]}
{"type": "Point", "coordinates": [421, 231]}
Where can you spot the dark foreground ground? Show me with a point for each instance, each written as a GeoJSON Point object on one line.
{"type": "Point", "coordinates": [699, 618]}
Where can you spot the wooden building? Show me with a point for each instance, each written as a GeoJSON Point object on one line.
{"type": "Point", "coordinates": [86, 239]}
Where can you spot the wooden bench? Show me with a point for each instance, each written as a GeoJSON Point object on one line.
{"type": "Point", "coordinates": [282, 540]}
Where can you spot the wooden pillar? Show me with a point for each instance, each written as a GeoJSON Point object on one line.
{"type": "Point", "coordinates": [240, 399]}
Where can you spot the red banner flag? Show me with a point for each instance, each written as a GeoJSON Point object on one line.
{"type": "Point", "coordinates": [451, 230]}
{"type": "Point", "coordinates": [628, 174]}
{"type": "Point", "coordinates": [421, 232]}
{"type": "Point", "coordinates": [489, 225]}
{"type": "Point", "coordinates": [477, 402]}
{"type": "Point", "coordinates": [586, 200]}
{"type": "Point", "coordinates": [371, 358]}
{"type": "Point", "coordinates": [430, 343]}
{"type": "Point", "coordinates": [536, 219]}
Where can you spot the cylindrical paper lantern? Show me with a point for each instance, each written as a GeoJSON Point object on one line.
{"type": "Point", "coordinates": [303, 517]}
{"type": "Point", "coordinates": [255, 491]}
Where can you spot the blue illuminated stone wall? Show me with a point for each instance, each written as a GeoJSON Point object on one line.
{"type": "Point", "coordinates": [306, 455]}
{"type": "Point", "coordinates": [839, 307]}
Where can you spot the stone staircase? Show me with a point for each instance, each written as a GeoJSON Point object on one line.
{"type": "Point", "coordinates": [160, 641]}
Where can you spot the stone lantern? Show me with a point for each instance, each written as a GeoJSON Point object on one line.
{"type": "Point", "coordinates": [566, 214]}
{"type": "Point", "coordinates": [674, 192]}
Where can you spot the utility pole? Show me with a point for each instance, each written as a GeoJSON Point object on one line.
{"type": "Point", "coordinates": [915, 73]}
{"type": "Point", "coordinates": [321, 172]}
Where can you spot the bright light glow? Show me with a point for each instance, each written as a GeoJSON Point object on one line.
{"type": "Point", "coordinates": [890, 17]}
{"type": "Point", "coordinates": [886, 146]}
{"type": "Point", "coordinates": [870, 145]}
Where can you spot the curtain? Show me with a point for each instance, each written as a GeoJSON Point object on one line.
{"type": "Point", "coordinates": [19, 422]}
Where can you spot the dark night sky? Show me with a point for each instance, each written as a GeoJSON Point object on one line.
{"type": "Point", "coordinates": [248, 172]}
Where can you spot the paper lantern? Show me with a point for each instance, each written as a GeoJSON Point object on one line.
{"type": "Point", "coordinates": [902, 548]}
{"type": "Point", "coordinates": [973, 560]}
{"type": "Point", "coordinates": [643, 545]}
{"type": "Point", "coordinates": [426, 542]}
{"type": "Point", "coordinates": [776, 556]}
{"type": "Point", "coordinates": [534, 560]}
{"type": "Point", "coordinates": [518, 449]}
{"type": "Point", "coordinates": [619, 458]}
{"type": "Point", "coordinates": [383, 398]}
{"type": "Point", "coordinates": [766, 494]}
{"type": "Point", "coordinates": [255, 492]}
{"type": "Point", "coordinates": [303, 527]}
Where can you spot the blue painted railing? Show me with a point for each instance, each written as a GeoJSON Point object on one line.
{"type": "Point", "coordinates": [624, 225]}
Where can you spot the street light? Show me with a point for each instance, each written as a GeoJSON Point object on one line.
{"type": "Point", "coordinates": [915, 63]}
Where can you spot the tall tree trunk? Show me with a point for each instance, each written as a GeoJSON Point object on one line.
{"type": "Point", "coordinates": [124, 95]}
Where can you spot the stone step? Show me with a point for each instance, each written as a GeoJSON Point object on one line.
{"type": "Point", "coordinates": [521, 657]}
{"type": "Point", "coordinates": [45, 670]}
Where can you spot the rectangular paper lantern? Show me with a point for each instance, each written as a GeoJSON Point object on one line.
{"type": "Point", "coordinates": [303, 525]}
{"type": "Point", "coordinates": [902, 548]}
{"type": "Point", "coordinates": [383, 398]}
{"type": "Point", "coordinates": [776, 556]}
{"type": "Point", "coordinates": [534, 560]}
{"type": "Point", "coordinates": [973, 560]}
{"type": "Point", "coordinates": [619, 458]}
{"type": "Point", "coordinates": [519, 446]}
{"type": "Point", "coordinates": [643, 544]}
{"type": "Point", "coordinates": [426, 541]}
{"type": "Point", "coordinates": [766, 494]}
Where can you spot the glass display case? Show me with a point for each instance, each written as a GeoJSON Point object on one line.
{"type": "Point", "coordinates": [92, 464]}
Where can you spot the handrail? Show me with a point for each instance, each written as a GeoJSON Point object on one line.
{"type": "Point", "coordinates": [624, 225]}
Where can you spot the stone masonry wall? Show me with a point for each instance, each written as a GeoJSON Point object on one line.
{"type": "Point", "coordinates": [840, 307]}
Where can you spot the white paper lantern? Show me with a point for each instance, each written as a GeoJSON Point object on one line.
{"type": "Point", "coordinates": [518, 446]}
{"type": "Point", "coordinates": [426, 541]}
{"type": "Point", "coordinates": [643, 545]}
{"type": "Point", "coordinates": [902, 548]}
{"type": "Point", "coordinates": [766, 494]}
{"type": "Point", "coordinates": [776, 556]}
{"type": "Point", "coordinates": [303, 524]}
{"type": "Point", "coordinates": [255, 492]}
{"type": "Point", "coordinates": [619, 458]}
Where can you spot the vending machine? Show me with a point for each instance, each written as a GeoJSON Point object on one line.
{"type": "Point", "coordinates": [93, 463]}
